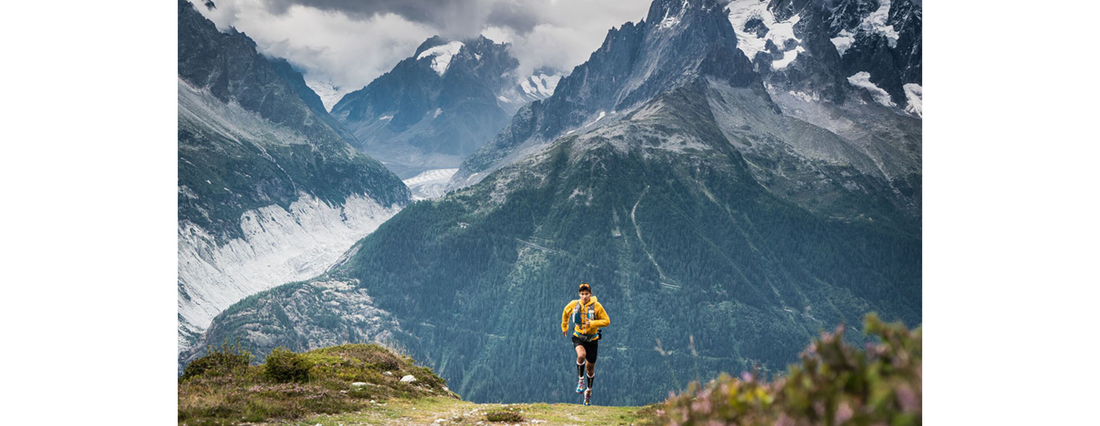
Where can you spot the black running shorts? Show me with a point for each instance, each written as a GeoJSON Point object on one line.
{"type": "Point", "coordinates": [591, 349]}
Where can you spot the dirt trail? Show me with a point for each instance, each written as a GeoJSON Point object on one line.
{"type": "Point", "coordinates": [451, 412]}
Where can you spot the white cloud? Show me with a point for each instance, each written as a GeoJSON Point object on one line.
{"type": "Point", "coordinates": [350, 49]}
{"type": "Point", "coordinates": [572, 30]}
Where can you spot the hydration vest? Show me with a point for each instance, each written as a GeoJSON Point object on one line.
{"type": "Point", "coordinates": [579, 314]}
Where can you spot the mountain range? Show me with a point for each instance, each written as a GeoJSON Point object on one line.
{"type": "Point", "coordinates": [730, 178]}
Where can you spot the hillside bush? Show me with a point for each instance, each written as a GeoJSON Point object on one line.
{"type": "Point", "coordinates": [219, 361]}
{"type": "Point", "coordinates": [284, 366]}
{"type": "Point", "coordinates": [835, 384]}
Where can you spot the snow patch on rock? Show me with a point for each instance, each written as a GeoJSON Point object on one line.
{"type": "Point", "coordinates": [914, 95]}
{"type": "Point", "coordinates": [441, 55]}
{"type": "Point", "coordinates": [875, 23]}
{"type": "Point", "coordinates": [863, 79]}
{"type": "Point", "coordinates": [788, 57]}
{"type": "Point", "coordinates": [843, 41]}
{"type": "Point", "coordinates": [741, 11]}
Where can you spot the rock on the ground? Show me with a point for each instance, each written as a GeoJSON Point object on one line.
{"type": "Point", "coordinates": [408, 378]}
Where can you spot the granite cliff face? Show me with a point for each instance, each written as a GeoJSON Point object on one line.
{"type": "Point", "coordinates": [677, 42]}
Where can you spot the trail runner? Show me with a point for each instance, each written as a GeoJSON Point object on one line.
{"type": "Point", "coordinates": [587, 316]}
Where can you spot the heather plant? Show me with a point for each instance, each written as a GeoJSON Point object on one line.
{"type": "Point", "coordinates": [835, 384]}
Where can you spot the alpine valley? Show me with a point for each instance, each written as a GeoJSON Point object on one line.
{"type": "Point", "coordinates": [731, 179]}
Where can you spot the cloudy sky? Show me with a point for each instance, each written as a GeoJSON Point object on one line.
{"type": "Point", "coordinates": [348, 43]}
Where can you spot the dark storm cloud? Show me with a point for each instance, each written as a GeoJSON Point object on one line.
{"type": "Point", "coordinates": [520, 16]}
{"type": "Point", "coordinates": [413, 10]}
{"type": "Point", "coordinates": [461, 18]}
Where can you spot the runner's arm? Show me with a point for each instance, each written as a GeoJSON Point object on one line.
{"type": "Point", "coordinates": [565, 316]}
{"type": "Point", "coordinates": [602, 320]}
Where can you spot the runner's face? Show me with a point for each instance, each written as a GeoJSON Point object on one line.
{"type": "Point", "coordinates": [585, 296]}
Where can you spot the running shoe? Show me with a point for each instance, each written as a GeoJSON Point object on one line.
{"type": "Point", "coordinates": [580, 384]}
{"type": "Point", "coordinates": [588, 397]}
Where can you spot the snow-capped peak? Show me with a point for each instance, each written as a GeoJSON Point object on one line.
{"type": "Point", "coordinates": [540, 86]}
{"type": "Point", "coordinates": [441, 55]}
{"type": "Point", "coordinates": [533, 88]}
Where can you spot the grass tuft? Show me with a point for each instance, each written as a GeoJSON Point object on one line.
{"type": "Point", "coordinates": [508, 415]}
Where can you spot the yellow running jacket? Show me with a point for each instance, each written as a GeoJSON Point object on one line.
{"type": "Point", "coordinates": [594, 323]}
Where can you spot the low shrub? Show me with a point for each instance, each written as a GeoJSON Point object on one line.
{"type": "Point", "coordinates": [835, 384]}
{"type": "Point", "coordinates": [219, 362]}
{"type": "Point", "coordinates": [284, 366]}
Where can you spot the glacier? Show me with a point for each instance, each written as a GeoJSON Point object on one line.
{"type": "Point", "coordinates": [280, 246]}
{"type": "Point", "coordinates": [429, 184]}
{"type": "Point", "coordinates": [330, 94]}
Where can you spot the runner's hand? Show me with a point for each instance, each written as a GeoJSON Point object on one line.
{"type": "Point", "coordinates": [563, 334]}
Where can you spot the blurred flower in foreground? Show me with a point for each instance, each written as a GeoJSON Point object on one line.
{"type": "Point", "coordinates": [835, 384]}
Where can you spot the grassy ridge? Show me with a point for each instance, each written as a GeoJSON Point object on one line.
{"type": "Point", "coordinates": [222, 388]}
